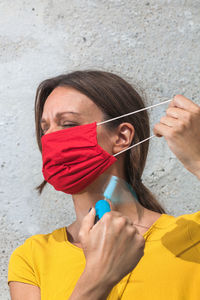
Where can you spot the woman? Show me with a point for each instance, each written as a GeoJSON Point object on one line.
{"type": "Point", "coordinates": [136, 251]}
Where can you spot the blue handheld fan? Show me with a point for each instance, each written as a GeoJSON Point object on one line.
{"type": "Point", "coordinates": [102, 206]}
{"type": "Point", "coordinates": [112, 192]}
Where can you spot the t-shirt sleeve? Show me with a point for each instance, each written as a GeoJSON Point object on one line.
{"type": "Point", "coordinates": [20, 267]}
{"type": "Point", "coordinates": [194, 217]}
{"type": "Point", "coordinates": [193, 227]}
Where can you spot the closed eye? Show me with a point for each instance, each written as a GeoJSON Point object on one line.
{"type": "Point", "coordinates": [64, 125]}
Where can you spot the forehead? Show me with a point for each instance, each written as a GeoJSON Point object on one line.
{"type": "Point", "coordinates": [69, 99]}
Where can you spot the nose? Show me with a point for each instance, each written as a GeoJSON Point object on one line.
{"type": "Point", "coordinates": [52, 129]}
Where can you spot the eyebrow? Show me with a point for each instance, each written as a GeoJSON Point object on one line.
{"type": "Point", "coordinates": [59, 114]}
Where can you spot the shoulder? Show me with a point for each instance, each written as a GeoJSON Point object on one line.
{"type": "Point", "coordinates": [37, 241]}
{"type": "Point", "coordinates": [46, 239]}
{"type": "Point", "coordinates": [191, 217]}
{"type": "Point", "coordinates": [170, 220]}
{"type": "Point", "coordinates": [191, 223]}
{"type": "Point", "coordinates": [185, 222]}
{"type": "Point", "coordinates": [182, 233]}
{"type": "Point", "coordinates": [181, 228]}
{"type": "Point", "coordinates": [25, 261]}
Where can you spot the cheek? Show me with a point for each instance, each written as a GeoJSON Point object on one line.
{"type": "Point", "coordinates": [104, 139]}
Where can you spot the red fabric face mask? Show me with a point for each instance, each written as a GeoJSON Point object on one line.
{"type": "Point", "coordinates": [72, 158]}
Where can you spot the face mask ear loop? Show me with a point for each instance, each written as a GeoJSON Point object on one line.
{"type": "Point", "coordinates": [131, 113]}
{"type": "Point", "coordinates": [135, 145]}
{"type": "Point", "coordinates": [134, 112]}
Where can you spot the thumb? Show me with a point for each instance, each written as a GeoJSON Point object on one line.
{"type": "Point", "coordinates": [155, 130]}
{"type": "Point", "coordinates": [88, 221]}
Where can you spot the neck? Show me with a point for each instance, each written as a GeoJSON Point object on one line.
{"type": "Point", "coordinates": [140, 216]}
{"type": "Point", "coordinates": [126, 203]}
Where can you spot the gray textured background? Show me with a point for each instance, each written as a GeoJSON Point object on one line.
{"type": "Point", "coordinates": [152, 44]}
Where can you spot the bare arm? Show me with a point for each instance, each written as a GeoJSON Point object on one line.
{"type": "Point", "coordinates": [24, 291]}
{"type": "Point", "coordinates": [112, 247]}
{"type": "Point", "coordinates": [85, 289]}
{"type": "Point", "coordinates": [88, 288]}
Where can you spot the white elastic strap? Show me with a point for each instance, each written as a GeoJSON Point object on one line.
{"type": "Point", "coordinates": [135, 144]}
{"type": "Point", "coordinates": [134, 112]}
{"type": "Point", "coordinates": [131, 113]}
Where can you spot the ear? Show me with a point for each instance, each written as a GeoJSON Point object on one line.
{"type": "Point", "coordinates": [123, 137]}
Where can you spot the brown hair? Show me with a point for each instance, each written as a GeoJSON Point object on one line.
{"type": "Point", "coordinates": [114, 96]}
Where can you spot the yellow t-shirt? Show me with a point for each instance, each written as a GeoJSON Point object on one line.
{"type": "Point", "coordinates": [169, 269]}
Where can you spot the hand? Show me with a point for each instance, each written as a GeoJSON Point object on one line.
{"type": "Point", "coordinates": [181, 129]}
{"type": "Point", "coordinates": [112, 247]}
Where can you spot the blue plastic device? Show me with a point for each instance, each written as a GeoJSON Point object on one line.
{"type": "Point", "coordinates": [111, 189]}
{"type": "Point", "coordinates": [111, 193]}
{"type": "Point", "coordinates": [101, 207]}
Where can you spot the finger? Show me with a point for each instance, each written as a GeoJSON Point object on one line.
{"type": "Point", "coordinates": [136, 229]}
{"type": "Point", "coordinates": [177, 113]}
{"type": "Point", "coordinates": [184, 103]}
{"type": "Point", "coordinates": [155, 131]}
{"type": "Point", "coordinates": [116, 214]}
{"type": "Point", "coordinates": [162, 129]}
{"type": "Point", "coordinates": [112, 214]}
{"type": "Point", "coordinates": [88, 221]}
{"type": "Point", "coordinates": [172, 104]}
{"type": "Point", "coordinates": [111, 204]}
{"type": "Point", "coordinates": [128, 220]}
{"type": "Point", "coordinates": [169, 121]}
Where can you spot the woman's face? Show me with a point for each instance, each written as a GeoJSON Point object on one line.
{"type": "Point", "coordinates": [66, 107]}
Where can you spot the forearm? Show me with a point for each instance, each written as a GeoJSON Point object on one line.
{"type": "Point", "coordinates": [89, 288]}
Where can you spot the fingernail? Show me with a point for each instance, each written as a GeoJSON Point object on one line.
{"type": "Point", "coordinates": [96, 219]}
{"type": "Point", "coordinates": [92, 210]}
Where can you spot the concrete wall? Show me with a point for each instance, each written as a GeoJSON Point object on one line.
{"type": "Point", "coordinates": [153, 44]}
